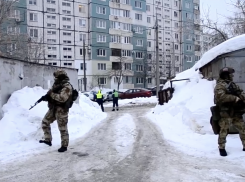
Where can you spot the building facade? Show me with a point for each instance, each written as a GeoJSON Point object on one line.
{"type": "Point", "coordinates": [115, 38]}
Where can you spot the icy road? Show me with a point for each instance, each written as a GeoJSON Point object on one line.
{"type": "Point", "coordinates": [126, 147]}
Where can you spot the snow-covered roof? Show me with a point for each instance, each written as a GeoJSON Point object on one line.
{"type": "Point", "coordinates": [233, 44]}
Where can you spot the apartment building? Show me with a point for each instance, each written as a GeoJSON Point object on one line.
{"type": "Point", "coordinates": [114, 33]}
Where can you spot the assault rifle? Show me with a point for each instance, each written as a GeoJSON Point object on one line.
{"type": "Point", "coordinates": [43, 98]}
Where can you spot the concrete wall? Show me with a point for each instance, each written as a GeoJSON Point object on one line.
{"type": "Point", "coordinates": [32, 74]}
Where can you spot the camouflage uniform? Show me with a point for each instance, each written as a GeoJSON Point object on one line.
{"type": "Point", "coordinates": [228, 114]}
{"type": "Point", "coordinates": [57, 111]}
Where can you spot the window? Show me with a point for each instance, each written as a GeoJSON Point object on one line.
{"type": "Point", "coordinates": [67, 57]}
{"type": "Point", "coordinates": [101, 66]}
{"type": "Point", "coordinates": [13, 30]}
{"type": "Point", "coordinates": [67, 33]}
{"type": "Point", "coordinates": [148, 8]}
{"type": "Point", "coordinates": [66, 12]}
{"type": "Point", "coordinates": [66, 19]}
{"type": "Point", "coordinates": [81, 66]}
{"type": "Point", "coordinates": [138, 16]}
{"type": "Point", "coordinates": [138, 30]}
{"type": "Point", "coordinates": [100, 10]}
{"type": "Point", "coordinates": [52, 63]}
{"type": "Point", "coordinates": [115, 38]}
{"type": "Point", "coordinates": [116, 52]}
{"type": "Point", "coordinates": [101, 24]}
{"type": "Point", "coordinates": [175, 3]}
{"type": "Point", "coordinates": [49, 32]}
{"type": "Point", "coordinates": [33, 32]}
{"type": "Point", "coordinates": [139, 42]}
{"type": "Point", "coordinates": [187, 4]}
{"type": "Point", "coordinates": [52, 48]}
{"type": "Point", "coordinates": [66, 4]}
{"type": "Point", "coordinates": [51, 25]}
{"type": "Point", "coordinates": [51, 1]}
{"type": "Point", "coordinates": [138, 4]}
{"type": "Point", "coordinates": [175, 14]}
{"type": "Point", "coordinates": [66, 41]}
{"type": "Point", "coordinates": [115, 12]}
{"type": "Point", "coordinates": [51, 40]}
{"type": "Point", "coordinates": [101, 38]}
{"type": "Point", "coordinates": [81, 8]}
{"type": "Point", "coordinates": [139, 55]}
{"type": "Point", "coordinates": [101, 52]}
{"type": "Point", "coordinates": [149, 80]}
{"type": "Point", "coordinates": [33, 16]}
{"type": "Point", "coordinates": [52, 10]}
{"type": "Point", "coordinates": [67, 49]}
{"type": "Point", "coordinates": [51, 17]}
{"type": "Point", "coordinates": [139, 80]}
{"type": "Point", "coordinates": [176, 47]}
{"type": "Point", "coordinates": [14, 14]}
{"type": "Point", "coordinates": [102, 81]}
{"type": "Point", "coordinates": [177, 69]}
{"type": "Point", "coordinates": [67, 26]}
{"type": "Point", "coordinates": [125, 1]}
{"type": "Point", "coordinates": [189, 48]}
{"type": "Point", "coordinates": [82, 37]}
{"type": "Point", "coordinates": [115, 25]}
{"type": "Point", "coordinates": [188, 58]}
{"type": "Point", "coordinates": [127, 40]}
{"type": "Point", "coordinates": [176, 25]}
{"type": "Point", "coordinates": [149, 43]}
{"type": "Point", "coordinates": [139, 67]}
{"type": "Point", "coordinates": [149, 56]}
{"type": "Point", "coordinates": [52, 56]}
{"type": "Point", "coordinates": [126, 53]}
{"type": "Point", "coordinates": [127, 66]}
{"type": "Point", "coordinates": [33, 2]}
{"type": "Point", "coordinates": [126, 13]}
{"type": "Point", "coordinates": [126, 26]}
{"type": "Point", "coordinates": [67, 64]}
{"type": "Point", "coordinates": [148, 19]}
{"type": "Point", "coordinates": [11, 47]}
{"type": "Point", "coordinates": [82, 22]}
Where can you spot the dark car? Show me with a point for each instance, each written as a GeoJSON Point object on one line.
{"type": "Point", "coordinates": [133, 93]}
{"type": "Point", "coordinates": [154, 90]}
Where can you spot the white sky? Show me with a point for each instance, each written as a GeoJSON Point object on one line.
{"type": "Point", "coordinates": [218, 9]}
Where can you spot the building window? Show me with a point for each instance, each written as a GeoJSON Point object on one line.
{"type": "Point", "coordinates": [102, 81]}
{"type": "Point", "coordinates": [33, 16]}
{"type": "Point", "coordinates": [101, 38]}
{"type": "Point", "coordinates": [81, 8]}
{"type": "Point", "coordinates": [67, 49]}
{"type": "Point", "coordinates": [34, 33]}
{"type": "Point", "coordinates": [175, 14]}
{"type": "Point", "coordinates": [51, 1]}
{"type": "Point", "coordinates": [67, 64]}
{"type": "Point", "coordinates": [101, 24]}
{"type": "Point", "coordinates": [116, 52]}
{"type": "Point", "coordinates": [176, 47]}
{"type": "Point", "coordinates": [139, 42]}
{"type": "Point", "coordinates": [66, 12]}
{"type": "Point", "coordinates": [66, 19]}
{"type": "Point", "coordinates": [100, 10]}
{"type": "Point", "coordinates": [148, 8]}
{"type": "Point", "coordinates": [115, 39]}
{"type": "Point", "coordinates": [125, 1]}
{"type": "Point", "coordinates": [66, 33]}
{"type": "Point", "coordinates": [127, 66]}
{"type": "Point", "coordinates": [101, 52]}
{"type": "Point", "coordinates": [66, 4]}
{"type": "Point", "coordinates": [52, 63]}
{"type": "Point", "coordinates": [139, 67]}
{"type": "Point", "coordinates": [52, 48]}
{"type": "Point", "coordinates": [51, 17]}
{"type": "Point", "coordinates": [138, 4]}
{"type": "Point", "coordinates": [148, 19]}
{"type": "Point", "coordinates": [127, 40]}
{"type": "Point", "coordinates": [149, 80]}
{"type": "Point", "coordinates": [51, 10]}
{"type": "Point", "coordinates": [81, 66]}
{"type": "Point", "coordinates": [189, 48]}
{"type": "Point", "coordinates": [82, 37]}
{"type": "Point", "coordinates": [126, 13]}
{"type": "Point", "coordinates": [67, 26]}
{"type": "Point", "coordinates": [138, 16]}
{"type": "Point", "coordinates": [101, 66]}
{"type": "Point", "coordinates": [82, 22]}
{"type": "Point", "coordinates": [81, 52]}
{"type": "Point", "coordinates": [175, 3]}
{"type": "Point", "coordinates": [13, 30]}
{"type": "Point", "coordinates": [138, 30]}
{"type": "Point", "coordinates": [52, 56]}
{"type": "Point", "coordinates": [139, 80]}
{"type": "Point", "coordinates": [187, 4]}
{"type": "Point", "coordinates": [33, 2]}
{"type": "Point", "coordinates": [139, 55]}
{"type": "Point", "coordinates": [67, 57]}
{"type": "Point", "coordinates": [126, 53]}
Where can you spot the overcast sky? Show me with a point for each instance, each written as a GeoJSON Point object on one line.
{"type": "Point", "coordinates": [218, 9]}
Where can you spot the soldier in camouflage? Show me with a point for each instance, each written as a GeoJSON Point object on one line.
{"type": "Point", "coordinates": [227, 100]}
{"type": "Point", "coordinates": [57, 97]}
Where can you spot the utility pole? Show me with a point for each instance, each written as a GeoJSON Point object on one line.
{"type": "Point", "coordinates": [157, 59]}
{"type": "Point", "coordinates": [84, 66]}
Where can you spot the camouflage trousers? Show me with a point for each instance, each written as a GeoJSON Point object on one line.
{"type": "Point", "coordinates": [225, 123]}
{"type": "Point", "coordinates": [61, 116]}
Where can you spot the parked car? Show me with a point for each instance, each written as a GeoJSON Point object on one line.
{"type": "Point", "coordinates": [154, 89]}
{"type": "Point", "coordinates": [92, 95]}
{"type": "Point", "coordinates": [109, 95]}
{"type": "Point", "coordinates": [133, 93]}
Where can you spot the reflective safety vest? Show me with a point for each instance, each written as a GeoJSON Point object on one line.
{"type": "Point", "coordinates": [99, 96]}
{"type": "Point", "coordinates": [115, 94]}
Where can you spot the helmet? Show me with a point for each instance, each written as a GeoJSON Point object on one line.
{"type": "Point", "coordinates": [59, 72]}
{"type": "Point", "coordinates": [228, 70]}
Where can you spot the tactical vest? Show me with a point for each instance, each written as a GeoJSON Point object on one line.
{"type": "Point", "coordinates": [99, 96]}
{"type": "Point", "coordinates": [115, 94]}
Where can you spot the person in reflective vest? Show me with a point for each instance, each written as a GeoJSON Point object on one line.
{"type": "Point", "coordinates": [99, 100]}
{"type": "Point", "coordinates": [115, 99]}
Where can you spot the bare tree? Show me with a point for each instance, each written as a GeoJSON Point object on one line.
{"type": "Point", "coordinates": [5, 9]}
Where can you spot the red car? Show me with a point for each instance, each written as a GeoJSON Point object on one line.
{"type": "Point", "coordinates": [136, 92]}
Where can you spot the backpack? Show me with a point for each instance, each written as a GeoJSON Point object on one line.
{"type": "Point", "coordinates": [73, 97]}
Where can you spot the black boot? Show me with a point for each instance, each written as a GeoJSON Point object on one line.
{"type": "Point", "coordinates": [117, 109]}
{"type": "Point", "coordinates": [243, 149]}
{"type": "Point", "coordinates": [62, 149]}
{"type": "Point", "coordinates": [46, 142]}
{"type": "Point", "coordinates": [222, 152]}
{"type": "Point", "coordinates": [113, 110]}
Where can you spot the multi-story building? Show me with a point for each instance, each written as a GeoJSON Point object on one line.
{"type": "Point", "coordinates": [119, 37]}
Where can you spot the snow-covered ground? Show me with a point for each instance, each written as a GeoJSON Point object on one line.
{"type": "Point", "coordinates": [20, 128]}
{"type": "Point", "coordinates": [134, 101]}
{"type": "Point", "coordinates": [185, 119]}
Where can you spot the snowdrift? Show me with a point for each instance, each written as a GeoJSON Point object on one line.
{"type": "Point", "coordinates": [20, 128]}
{"type": "Point", "coordinates": [185, 119]}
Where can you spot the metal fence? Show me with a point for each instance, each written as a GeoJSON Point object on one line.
{"type": "Point", "coordinates": [165, 95]}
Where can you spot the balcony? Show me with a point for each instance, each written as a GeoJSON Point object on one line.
{"type": "Point", "coordinates": [118, 5]}
{"type": "Point", "coordinates": [114, 45]}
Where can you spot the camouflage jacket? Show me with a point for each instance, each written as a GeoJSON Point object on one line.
{"type": "Point", "coordinates": [58, 98]}
{"type": "Point", "coordinates": [223, 98]}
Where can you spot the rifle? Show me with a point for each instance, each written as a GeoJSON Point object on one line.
{"type": "Point", "coordinates": [43, 98]}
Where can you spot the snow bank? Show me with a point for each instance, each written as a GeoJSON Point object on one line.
{"type": "Point", "coordinates": [230, 45]}
{"type": "Point", "coordinates": [134, 101]}
{"type": "Point", "coordinates": [20, 128]}
{"type": "Point", "coordinates": [185, 119]}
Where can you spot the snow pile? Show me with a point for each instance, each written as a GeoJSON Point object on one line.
{"type": "Point", "coordinates": [134, 101]}
{"type": "Point", "coordinates": [124, 133]}
{"type": "Point", "coordinates": [20, 127]}
{"type": "Point", "coordinates": [185, 119]}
